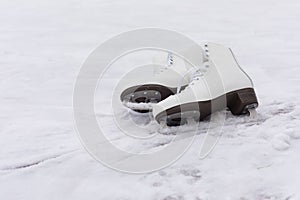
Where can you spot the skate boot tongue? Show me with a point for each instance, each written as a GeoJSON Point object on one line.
{"type": "Point", "coordinates": [195, 75]}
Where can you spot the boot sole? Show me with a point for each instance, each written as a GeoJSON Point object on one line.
{"type": "Point", "coordinates": [238, 102]}
{"type": "Point", "coordinates": [148, 93]}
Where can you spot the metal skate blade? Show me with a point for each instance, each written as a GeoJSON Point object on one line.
{"type": "Point", "coordinates": [252, 113]}
{"type": "Point", "coordinates": [151, 116]}
{"type": "Point", "coordinates": [191, 122]}
{"type": "Point", "coordinates": [163, 124]}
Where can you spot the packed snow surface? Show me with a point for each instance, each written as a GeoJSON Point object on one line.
{"type": "Point", "coordinates": [44, 43]}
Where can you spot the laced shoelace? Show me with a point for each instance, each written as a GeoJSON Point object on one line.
{"type": "Point", "coordinates": [195, 76]}
{"type": "Point", "coordinates": [170, 62]}
{"type": "Point", "coordinates": [170, 59]}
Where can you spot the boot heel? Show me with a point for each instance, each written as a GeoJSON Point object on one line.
{"type": "Point", "coordinates": [240, 101]}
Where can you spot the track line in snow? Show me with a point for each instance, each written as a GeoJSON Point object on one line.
{"type": "Point", "coordinates": [37, 162]}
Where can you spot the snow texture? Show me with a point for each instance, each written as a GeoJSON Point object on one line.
{"type": "Point", "coordinates": [43, 44]}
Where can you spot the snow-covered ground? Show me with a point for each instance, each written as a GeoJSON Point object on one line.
{"type": "Point", "coordinates": [42, 46]}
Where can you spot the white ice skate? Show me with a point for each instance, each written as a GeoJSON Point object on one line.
{"type": "Point", "coordinates": [224, 84]}
{"type": "Point", "coordinates": [147, 89]}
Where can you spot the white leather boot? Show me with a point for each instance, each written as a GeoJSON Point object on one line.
{"type": "Point", "coordinates": [168, 73]}
{"type": "Point", "coordinates": [224, 84]}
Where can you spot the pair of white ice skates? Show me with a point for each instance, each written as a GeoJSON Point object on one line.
{"type": "Point", "coordinates": [217, 82]}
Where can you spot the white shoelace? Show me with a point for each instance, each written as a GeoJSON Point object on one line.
{"type": "Point", "coordinates": [194, 75]}
{"type": "Point", "coordinates": [169, 63]}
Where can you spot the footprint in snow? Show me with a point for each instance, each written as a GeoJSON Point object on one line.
{"type": "Point", "coordinates": [293, 133]}
{"type": "Point", "coordinates": [281, 142]}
